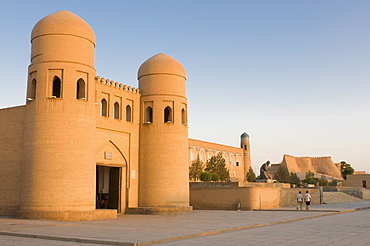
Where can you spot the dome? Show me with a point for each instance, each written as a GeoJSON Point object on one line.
{"type": "Point", "coordinates": [161, 64]}
{"type": "Point", "coordinates": [63, 23]}
{"type": "Point", "coordinates": [244, 136]}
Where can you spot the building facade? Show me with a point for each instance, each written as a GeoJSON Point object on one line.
{"type": "Point", "coordinates": [85, 147]}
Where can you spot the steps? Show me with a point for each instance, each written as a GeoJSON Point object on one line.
{"type": "Point", "coordinates": [339, 197]}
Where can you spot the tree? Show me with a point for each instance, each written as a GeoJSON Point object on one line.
{"type": "Point", "coordinates": [333, 183]}
{"type": "Point", "coordinates": [323, 181]}
{"type": "Point", "coordinates": [282, 174]}
{"type": "Point", "coordinates": [196, 169]}
{"type": "Point", "coordinates": [294, 179]}
{"type": "Point", "coordinates": [206, 177]}
{"type": "Point", "coordinates": [251, 176]}
{"type": "Point", "coordinates": [310, 178]}
{"type": "Point", "coordinates": [217, 165]}
{"type": "Point", "coordinates": [345, 169]}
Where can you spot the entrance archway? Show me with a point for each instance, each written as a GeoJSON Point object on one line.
{"type": "Point", "coordinates": [111, 178]}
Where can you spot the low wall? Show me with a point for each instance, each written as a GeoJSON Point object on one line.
{"type": "Point", "coordinates": [361, 193]}
{"type": "Point", "coordinates": [250, 198]}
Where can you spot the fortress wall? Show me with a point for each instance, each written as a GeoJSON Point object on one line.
{"type": "Point", "coordinates": [11, 137]}
{"type": "Point", "coordinates": [236, 172]}
{"type": "Point", "coordinates": [323, 165]}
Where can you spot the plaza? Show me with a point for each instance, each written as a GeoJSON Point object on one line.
{"type": "Point", "coordinates": [326, 224]}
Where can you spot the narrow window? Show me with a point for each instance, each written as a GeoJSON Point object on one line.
{"type": "Point", "coordinates": [167, 115]}
{"type": "Point", "coordinates": [128, 113]}
{"type": "Point", "coordinates": [32, 92]}
{"type": "Point", "coordinates": [237, 163]}
{"type": "Point", "coordinates": [148, 115]}
{"type": "Point", "coordinates": [183, 117]}
{"type": "Point", "coordinates": [103, 108]}
{"type": "Point", "coordinates": [116, 110]}
{"type": "Point", "coordinates": [245, 147]}
{"type": "Point", "coordinates": [80, 90]}
{"type": "Point", "coordinates": [57, 86]}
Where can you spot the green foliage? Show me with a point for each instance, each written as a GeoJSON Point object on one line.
{"type": "Point", "coordinates": [215, 177]}
{"type": "Point", "coordinates": [195, 169]}
{"type": "Point", "coordinates": [323, 181]}
{"type": "Point", "coordinates": [251, 176]}
{"type": "Point", "coordinates": [206, 177]}
{"type": "Point", "coordinates": [282, 174]}
{"type": "Point", "coordinates": [294, 179]}
{"type": "Point", "coordinates": [310, 178]}
{"type": "Point", "coordinates": [345, 169]}
{"type": "Point", "coordinates": [333, 183]}
{"type": "Point", "coordinates": [217, 165]}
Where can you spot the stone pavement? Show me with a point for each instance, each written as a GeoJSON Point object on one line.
{"type": "Point", "coordinates": [328, 224]}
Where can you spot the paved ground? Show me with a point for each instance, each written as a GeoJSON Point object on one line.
{"type": "Point", "coordinates": [329, 224]}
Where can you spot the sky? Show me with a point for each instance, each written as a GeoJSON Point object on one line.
{"type": "Point", "coordinates": [294, 75]}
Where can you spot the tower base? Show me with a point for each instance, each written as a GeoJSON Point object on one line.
{"type": "Point", "coordinates": [160, 210]}
{"type": "Point", "coordinates": [99, 214]}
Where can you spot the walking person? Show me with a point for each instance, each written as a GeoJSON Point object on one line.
{"type": "Point", "coordinates": [307, 199]}
{"type": "Point", "coordinates": [299, 200]}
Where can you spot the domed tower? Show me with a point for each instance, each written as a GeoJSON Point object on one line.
{"type": "Point", "coordinates": [164, 146]}
{"type": "Point", "coordinates": [244, 144]}
{"type": "Point", "coordinates": [58, 172]}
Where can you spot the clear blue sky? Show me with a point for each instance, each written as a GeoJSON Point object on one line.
{"type": "Point", "coordinates": [294, 75]}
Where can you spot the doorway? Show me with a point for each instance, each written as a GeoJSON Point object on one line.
{"type": "Point", "coordinates": [363, 183]}
{"type": "Point", "coordinates": [108, 187]}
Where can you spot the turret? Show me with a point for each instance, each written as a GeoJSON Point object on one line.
{"type": "Point", "coordinates": [164, 154]}
{"type": "Point", "coordinates": [244, 144]}
{"type": "Point", "coordinates": [58, 172]}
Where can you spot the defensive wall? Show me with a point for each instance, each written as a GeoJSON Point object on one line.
{"type": "Point", "coordinates": [361, 193]}
{"type": "Point", "coordinates": [206, 196]}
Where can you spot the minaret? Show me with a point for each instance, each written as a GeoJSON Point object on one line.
{"type": "Point", "coordinates": [58, 169]}
{"type": "Point", "coordinates": [164, 153]}
{"type": "Point", "coordinates": [244, 144]}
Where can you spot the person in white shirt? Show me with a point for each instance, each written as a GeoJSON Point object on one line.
{"type": "Point", "coordinates": [307, 199]}
{"type": "Point", "coordinates": [299, 200]}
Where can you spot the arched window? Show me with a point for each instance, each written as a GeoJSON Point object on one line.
{"type": "Point", "coordinates": [232, 160]}
{"type": "Point", "coordinates": [57, 86]}
{"type": "Point", "coordinates": [103, 108]}
{"type": "Point", "coordinates": [183, 117]}
{"type": "Point", "coordinates": [167, 115]}
{"type": "Point", "coordinates": [202, 156]}
{"type": "Point", "coordinates": [81, 92]}
{"type": "Point", "coordinates": [116, 110]}
{"type": "Point", "coordinates": [193, 154]}
{"type": "Point", "coordinates": [128, 113]}
{"type": "Point", "coordinates": [148, 115]}
{"type": "Point", "coordinates": [32, 91]}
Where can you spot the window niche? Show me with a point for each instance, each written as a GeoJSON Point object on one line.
{"type": "Point", "coordinates": [57, 87]}
{"type": "Point", "coordinates": [128, 113]}
{"type": "Point", "coordinates": [116, 109]}
{"type": "Point", "coordinates": [168, 115]}
{"type": "Point", "coordinates": [81, 89]}
{"type": "Point", "coordinates": [104, 108]}
{"type": "Point", "coordinates": [148, 115]}
{"type": "Point", "coordinates": [32, 91]}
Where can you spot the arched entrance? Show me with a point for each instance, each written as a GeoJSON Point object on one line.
{"type": "Point", "coordinates": [111, 173]}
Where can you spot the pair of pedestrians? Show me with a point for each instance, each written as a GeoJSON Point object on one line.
{"type": "Point", "coordinates": [306, 199]}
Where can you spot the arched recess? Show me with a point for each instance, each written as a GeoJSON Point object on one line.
{"type": "Point", "coordinates": [193, 154]}
{"type": "Point", "coordinates": [183, 117]}
{"type": "Point", "coordinates": [103, 108]}
{"type": "Point", "coordinates": [202, 156]}
{"type": "Point", "coordinates": [168, 115]}
{"type": "Point", "coordinates": [32, 90]}
{"type": "Point", "coordinates": [112, 177]}
{"type": "Point", "coordinates": [116, 110]}
{"type": "Point", "coordinates": [232, 160]}
{"type": "Point", "coordinates": [57, 87]}
{"type": "Point", "coordinates": [148, 115]}
{"type": "Point", "coordinates": [128, 113]}
{"type": "Point", "coordinates": [81, 89]}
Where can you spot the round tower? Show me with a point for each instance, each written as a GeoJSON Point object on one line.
{"type": "Point", "coordinates": [58, 172]}
{"type": "Point", "coordinates": [244, 144]}
{"type": "Point", "coordinates": [164, 146]}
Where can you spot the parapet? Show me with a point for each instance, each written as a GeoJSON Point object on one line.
{"type": "Point", "coordinates": [116, 85]}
